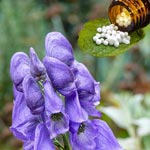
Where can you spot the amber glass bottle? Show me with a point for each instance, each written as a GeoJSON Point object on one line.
{"type": "Point", "coordinates": [129, 15]}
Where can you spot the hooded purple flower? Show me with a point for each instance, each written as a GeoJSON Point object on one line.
{"type": "Point", "coordinates": [60, 75]}
{"type": "Point", "coordinates": [28, 127]}
{"type": "Point", "coordinates": [57, 46]}
{"type": "Point", "coordinates": [33, 95]}
{"type": "Point", "coordinates": [105, 139]}
{"type": "Point", "coordinates": [19, 68]}
{"type": "Point", "coordinates": [37, 68]}
{"type": "Point", "coordinates": [88, 89]}
{"type": "Point", "coordinates": [92, 135]}
{"type": "Point", "coordinates": [57, 120]}
{"type": "Point", "coordinates": [82, 135]}
{"type": "Point", "coordinates": [73, 108]}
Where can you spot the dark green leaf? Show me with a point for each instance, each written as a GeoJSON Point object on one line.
{"type": "Point", "coordinates": [87, 44]}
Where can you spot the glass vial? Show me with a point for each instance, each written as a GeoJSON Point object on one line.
{"type": "Point", "coordinates": [129, 15]}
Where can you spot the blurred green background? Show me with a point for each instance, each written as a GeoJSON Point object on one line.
{"type": "Point", "coordinates": [125, 79]}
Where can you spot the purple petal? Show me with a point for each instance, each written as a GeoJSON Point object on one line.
{"type": "Point", "coordinates": [57, 123]}
{"type": "Point", "coordinates": [56, 120]}
{"type": "Point", "coordinates": [38, 70]}
{"type": "Point", "coordinates": [74, 110]}
{"type": "Point", "coordinates": [33, 95]}
{"type": "Point", "coordinates": [60, 74]}
{"type": "Point", "coordinates": [42, 140]}
{"type": "Point", "coordinates": [106, 139]}
{"type": "Point", "coordinates": [28, 145]}
{"type": "Point", "coordinates": [53, 104]}
{"type": "Point", "coordinates": [23, 122]}
{"type": "Point", "coordinates": [89, 107]}
{"type": "Point", "coordinates": [58, 46]}
{"type": "Point", "coordinates": [84, 80]}
{"type": "Point", "coordinates": [19, 68]}
{"type": "Point", "coordinates": [84, 136]}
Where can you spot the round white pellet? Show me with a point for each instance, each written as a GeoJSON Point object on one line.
{"type": "Point", "coordinates": [98, 42]}
{"type": "Point", "coordinates": [98, 35]}
{"type": "Point", "coordinates": [104, 30]}
{"type": "Point", "coordinates": [99, 29]}
{"type": "Point", "coordinates": [95, 38]}
{"type": "Point", "coordinates": [115, 28]}
{"type": "Point", "coordinates": [125, 41]}
{"type": "Point", "coordinates": [116, 44]}
{"type": "Point", "coordinates": [110, 41]}
{"type": "Point", "coordinates": [105, 42]}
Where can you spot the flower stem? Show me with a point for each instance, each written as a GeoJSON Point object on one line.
{"type": "Point", "coordinates": [66, 142]}
{"type": "Point", "coordinates": [56, 142]}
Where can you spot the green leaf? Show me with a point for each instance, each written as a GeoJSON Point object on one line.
{"type": "Point", "coordinates": [87, 44]}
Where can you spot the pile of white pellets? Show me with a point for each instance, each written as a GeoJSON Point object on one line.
{"type": "Point", "coordinates": [110, 35]}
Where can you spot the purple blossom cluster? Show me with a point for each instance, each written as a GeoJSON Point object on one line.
{"type": "Point", "coordinates": [54, 97]}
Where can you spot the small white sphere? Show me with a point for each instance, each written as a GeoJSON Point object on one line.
{"type": "Point", "coordinates": [95, 38]}
{"type": "Point", "coordinates": [116, 44]}
{"type": "Point", "coordinates": [110, 40]}
{"type": "Point", "coordinates": [115, 28]}
{"type": "Point", "coordinates": [98, 42]}
{"type": "Point", "coordinates": [99, 29]}
{"type": "Point", "coordinates": [104, 30]}
{"type": "Point", "coordinates": [98, 35]}
{"type": "Point", "coordinates": [125, 41]}
{"type": "Point", "coordinates": [105, 42]}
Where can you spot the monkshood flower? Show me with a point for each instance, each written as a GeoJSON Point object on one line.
{"type": "Point", "coordinates": [33, 95]}
{"type": "Point", "coordinates": [57, 46]}
{"type": "Point", "coordinates": [105, 139]}
{"type": "Point", "coordinates": [56, 119]}
{"type": "Point", "coordinates": [28, 127]}
{"type": "Point", "coordinates": [60, 74]}
{"type": "Point", "coordinates": [92, 135]}
{"type": "Point", "coordinates": [19, 68]}
{"type": "Point", "coordinates": [37, 68]}
{"type": "Point", "coordinates": [82, 135]}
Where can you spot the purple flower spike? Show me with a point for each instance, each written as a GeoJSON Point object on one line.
{"type": "Point", "coordinates": [56, 120]}
{"type": "Point", "coordinates": [33, 95]}
{"type": "Point", "coordinates": [84, 80]}
{"type": "Point", "coordinates": [106, 139]}
{"type": "Point", "coordinates": [19, 68]}
{"type": "Point", "coordinates": [58, 46]}
{"type": "Point", "coordinates": [74, 110]}
{"type": "Point", "coordinates": [38, 70]}
{"type": "Point", "coordinates": [42, 140]}
{"type": "Point", "coordinates": [82, 136]}
{"type": "Point", "coordinates": [60, 74]}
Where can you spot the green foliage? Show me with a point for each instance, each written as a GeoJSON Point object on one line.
{"type": "Point", "coordinates": [87, 44]}
{"type": "Point", "coordinates": [21, 26]}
